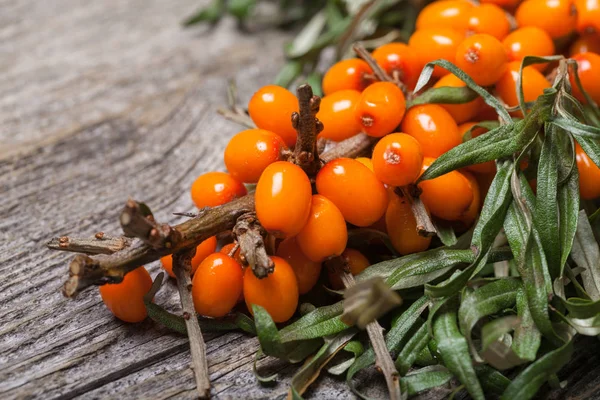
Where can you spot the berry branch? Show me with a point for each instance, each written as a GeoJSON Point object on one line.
{"type": "Point", "coordinates": [99, 244]}
{"type": "Point", "coordinates": [182, 267]}
{"type": "Point", "coordinates": [306, 155]}
{"type": "Point", "coordinates": [249, 234]}
{"type": "Point", "coordinates": [110, 264]}
{"type": "Point", "coordinates": [424, 225]}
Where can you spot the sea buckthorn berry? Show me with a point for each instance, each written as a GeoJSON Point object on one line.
{"type": "Point", "coordinates": [433, 127]}
{"type": "Point", "coordinates": [397, 159]}
{"type": "Point", "coordinates": [356, 262]}
{"type": "Point", "coordinates": [399, 61]}
{"type": "Point", "coordinates": [588, 16]}
{"type": "Point", "coordinates": [380, 109]}
{"type": "Point", "coordinates": [472, 212]}
{"type": "Point", "coordinates": [585, 43]}
{"type": "Point", "coordinates": [277, 293]}
{"type": "Point", "coordinates": [283, 195]}
{"type": "Point", "coordinates": [367, 162]}
{"type": "Point", "coordinates": [533, 82]}
{"type": "Point", "coordinates": [126, 299]}
{"type": "Point", "coordinates": [589, 175]}
{"type": "Point", "coordinates": [271, 108]}
{"type": "Point", "coordinates": [556, 17]}
{"type": "Point", "coordinates": [460, 112]}
{"type": "Point", "coordinates": [203, 250]}
{"type": "Point", "coordinates": [588, 69]}
{"type": "Point", "coordinates": [354, 189]}
{"type": "Point", "coordinates": [325, 233]}
{"type": "Point", "coordinates": [237, 256]}
{"type": "Point", "coordinates": [434, 43]}
{"type": "Point", "coordinates": [528, 41]}
{"type": "Point", "coordinates": [448, 196]}
{"type": "Point", "coordinates": [402, 227]}
{"type": "Point", "coordinates": [487, 167]}
{"type": "Point", "coordinates": [337, 115]}
{"type": "Point", "coordinates": [216, 188]}
{"type": "Point", "coordinates": [249, 152]}
{"type": "Point", "coordinates": [307, 271]}
{"type": "Point", "coordinates": [351, 74]}
{"type": "Point", "coordinates": [445, 14]}
{"type": "Point", "coordinates": [483, 58]}
{"type": "Point", "coordinates": [217, 285]}
{"type": "Point", "coordinates": [490, 19]}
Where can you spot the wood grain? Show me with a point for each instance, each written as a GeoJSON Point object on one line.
{"type": "Point", "coordinates": [102, 101]}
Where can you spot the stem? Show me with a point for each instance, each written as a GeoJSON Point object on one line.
{"type": "Point", "coordinates": [182, 267]}
{"type": "Point", "coordinates": [352, 147]}
{"type": "Point", "coordinates": [379, 72]}
{"type": "Point", "coordinates": [137, 221]}
{"type": "Point", "coordinates": [249, 234]}
{"type": "Point", "coordinates": [306, 155]}
{"type": "Point", "coordinates": [99, 244]}
{"type": "Point", "coordinates": [424, 225]}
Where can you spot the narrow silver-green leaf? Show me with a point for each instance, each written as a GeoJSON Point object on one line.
{"type": "Point", "coordinates": [318, 323]}
{"type": "Point", "coordinates": [527, 338]}
{"type": "Point", "coordinates": [412, 349]}
{"type": "Point", "coordinates": [424, 379]}
{"type": "Point", "coordinates": [586, 254]}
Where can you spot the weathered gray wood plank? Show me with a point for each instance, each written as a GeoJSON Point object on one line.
{"type": "Point", "coordinates": [101, 101]}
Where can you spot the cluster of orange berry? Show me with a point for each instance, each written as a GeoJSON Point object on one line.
{"type": "Point", "coordinates": [311, 223]}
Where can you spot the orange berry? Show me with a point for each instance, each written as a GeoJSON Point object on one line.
{"type": "Point", "coordinates": [585, 43]}
{"type": "Point", "coordinates": [397, 159]}
{"type": "Point", "coordinates": [528, 41]}
{"type": "Point", "coordinates": [337, 115]}
{"type": "Point", "coordinates": [472, 212]}
{"type": "Point", "coordinates": [588, 69]}
{"type": "Point", "coordinates": [487, 167]}
{"type": "Point", "coordinates": [356, 263]}
{"type": "Point", "coordinates": [402, 227]}
{"type": "Point", "coordinates": [325, 234]}
{"type": "Point", "coordinates": [445, 14]}
{"type": "Point", "coordinates": [380, 109]}
{"type": "Point", "coordinates": [354, 189]}
{"type": "Point", "coordinates": [399, 61]}
{"type": "Point", "coordinates": [533, 82]}
{"type": "Point", "coordinates": [271, 108]}
{"type": "Point", "coordinates": [490, 19]}
{"type": "Point", "coordinates": [460, 112]}
{"type": "Point", "coordinates": [307, 271]}
{"type": "Point", "coordinates": [283, 195]}
{"type": "Point", "coordinates": [249, 152]}
{"type": "Point", "coordinates": [350, 74]}
{"type": "Point", "coordinates": [589, 175]}
{"type": "Point", "coordinates": [556, 17]}
{"type": "Point", "coordinates": [434, 43]}
{"type": "Point", "coordinates": [237, 256]}
{"type": "Point", "coordinates": [367, 162]}
{"type": "Point", "coordinates": [483, 58]}
{"type": "Point", "coordinates": [277, 293]}
{"type": "Point", "coordinates": [126, 299]}
{"type": "Point", "coordinates": [448, 196]}
{"type": "Point", "coordinates": [216, 188]}
{"type": "Point", "coordinates": [433, 127]}
{"type": "Point", "coordinates": [217, 285]}
{"type": "Point", "coordinates": [588, 16]}
{"type": "Point", "coordinates": [203, 250]}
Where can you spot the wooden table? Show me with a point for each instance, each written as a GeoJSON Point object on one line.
{"type": "Point", "coordinates": [102, 101]}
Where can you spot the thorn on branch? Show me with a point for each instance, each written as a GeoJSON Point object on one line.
{"type": "Point", "coordinates": [137, 221]}
{"type": "Point", "coordinates": [250, 235]}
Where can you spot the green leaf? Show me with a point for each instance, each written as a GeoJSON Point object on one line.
{"type": "Point", "coordinates": [288, 74]}
{"type": "Point", "coordinates": [488, 125]}
{"type": "Point", "coordinates": [487, 97]}
{"type": "Point", "coordinates": [268, 335]}
{"type": "Point", "coordinates": [310, 371]}
{"type": "Point", "coordinates": [241, 9]}
{"type": "Point", "coordinates": [425, 358]}
{"type": "Point", "coordinates": [413, 348]}
{"type": "Point", "coordinates": [530, 60]}
{"type": "Point", "coordinates": [528, 382]}
{"type": "Point", "coordinates": [307, 37]}
{"type": "Point", "coordinates": [165, 318]}
{"type": "Point", "coordinates": [591, 148]}
{"type": "Point", "coordinates": [211, 14]}
{"type": "Point", "coordinates": [445, 232]}
{"type": "Point", "coordinates": [492, 381]}
{"type": "Point", "coordinates": [587, 327]}
{"type": "Point", "coordinates": [318, 323]}
{"type": "Point", "coordinates": [444, 95]}
{"type": "Point", "coordinates": [356, 348]}
{"type": "Point", "coordinates": [394, 338]}
{"type": "Point", "coordinates": [568, 215]}
{"type": "Point", "coordinates": [486, 300]}
{"type": "Point", "coordinates": [492, 145]}
{"type": "Point", "coordinates": [454, 350]}
{"type": "Point", "coordinates": [314, 79]}
{"type": "Point", "coordinates": [576, 128]}
{"type": "Point", "coordinates": [527, 337]}
{"type": "Point", "coordinates": [425, 379]}
{"type": "Point", "coordinates": [496, 343]}
{"type": "Point", "coordinates": [586, 254]}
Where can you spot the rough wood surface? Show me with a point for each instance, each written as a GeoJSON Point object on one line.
{"type": "Point", "coordinates": [101, 101]}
